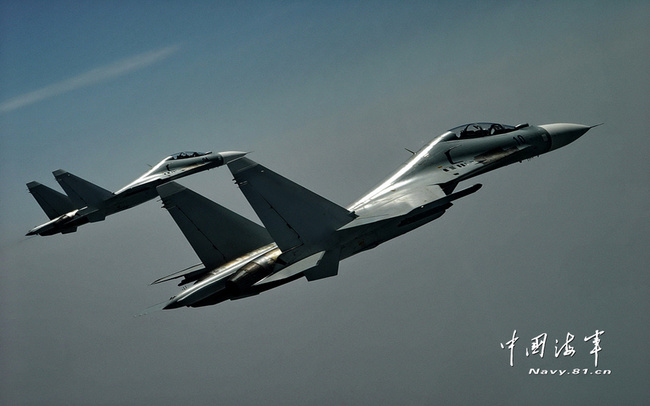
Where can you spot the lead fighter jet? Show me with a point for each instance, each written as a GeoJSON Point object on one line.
{"type": "Point", "coordinates": [307, 235]}
{"type": "Point", "coordinates": [86, 202]}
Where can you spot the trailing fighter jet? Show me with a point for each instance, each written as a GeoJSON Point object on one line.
{"type": "Point", "coordinates": [307, 235]}
{"type": "Point", "coordinates": [86, 202]}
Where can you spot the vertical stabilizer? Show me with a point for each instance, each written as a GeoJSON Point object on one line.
{"type": "Point", "coordinates": [293, 215]}
{"type": "Point", "coordinates": [216, 234]}
{"type": "Point", "coordinates": [53, 203]}
{"type": "Point", "coordinates": [81, 192]}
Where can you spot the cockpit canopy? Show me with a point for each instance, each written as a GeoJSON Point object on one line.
{"type": "Point", "coordinates": [186, 154]}
{"type": "Point", "coordinates": [478, 130]}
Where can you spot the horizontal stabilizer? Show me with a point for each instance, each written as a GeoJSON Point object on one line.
{"type": "Point", "coordinates": [53, 203]}
{"type": "Point", "coordinates": [327, 266]}
{"type": "Point", "coordinates": [293, 215]}
{"type": "Point", "coordinates": [316, 266]}
{"type": "Point", "coordinates": [81, 192]}
{"type": "Point", "coordinates": [216, 234]}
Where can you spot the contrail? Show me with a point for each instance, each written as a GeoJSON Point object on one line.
{"type": "Point", "coordinates": [91, 77]}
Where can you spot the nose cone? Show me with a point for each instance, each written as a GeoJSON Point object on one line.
{"type": "Point", "coordinates": [229, 156]}
{"type": "Point", "coordinates": [172, 304]}
{"type": "Point", "coordinates": [564, 133]}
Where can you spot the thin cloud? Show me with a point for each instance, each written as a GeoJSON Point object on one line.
{"type": "Point", "coordinates": [89, 78]}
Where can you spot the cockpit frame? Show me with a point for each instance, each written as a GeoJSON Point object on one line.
{"type": "Point", "coordinates": [480, 130]}
{"type": "Point", "coordinates": [186, 154]}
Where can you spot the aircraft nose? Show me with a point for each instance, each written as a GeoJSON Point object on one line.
{"type": "Point", "coordinates": [564, 133]}
{"type": "Point", "coordinates": [231, 155]}
{"type": "Point", "coordinates": [172, 304]}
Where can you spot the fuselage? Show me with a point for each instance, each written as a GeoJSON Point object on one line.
{"type": "Point", "coordinates": [459, 154]}
{"type": "Point", "coordinates": [139, 191]}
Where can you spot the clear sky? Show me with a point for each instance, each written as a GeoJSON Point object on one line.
{"type": "Point", "coordinates": [328, 94]}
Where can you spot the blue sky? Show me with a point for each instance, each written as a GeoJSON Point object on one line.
{"type": "Point", "coordinates": [328, 94]}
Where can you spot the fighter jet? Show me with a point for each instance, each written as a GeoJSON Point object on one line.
{"type": "Point", "coordinates": [306, 235]}
{"type": "Point", "coordinates": [86, 202]}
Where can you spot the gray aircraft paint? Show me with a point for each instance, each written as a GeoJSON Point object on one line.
{"type": "Point", "coordinates": [313, 234]}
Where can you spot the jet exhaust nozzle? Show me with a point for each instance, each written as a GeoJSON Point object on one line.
{"type": "Point", "coordinates": [250, 273]}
